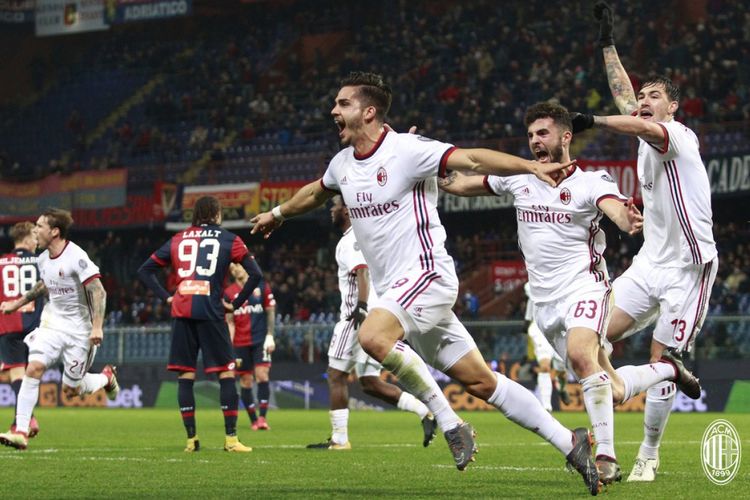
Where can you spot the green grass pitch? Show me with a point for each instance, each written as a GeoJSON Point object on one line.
{"type": "Point", "coordinates": [99, 453]}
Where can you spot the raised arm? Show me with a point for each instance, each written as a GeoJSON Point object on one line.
{"type": "Point", "coordinates": [306, 199]}
{"type": "Point", "coordinates": [488, 161]}
{"type": "Point", "coordinates": [651, 132]}
{"type": "Point", "coordinates": [617, 77]}
{"type": "Point", "coordinates": [626, 215]}
{"type": "Point", "coordinates": [463, 185]}
{"type": "Point", "coordinates": [11, 306]}
{"type": "Point", "coordinates": [97, 297]}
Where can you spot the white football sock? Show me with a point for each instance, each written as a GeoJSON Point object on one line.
{"type": "Point", "coordinates": [597, 396]}
{"type": "Point", "coordinates": [659, 399]}
{"type": "Point", "coordinates": [27, 398]}
{"type": "Point", "coordinates": [544, 382]}
{"type": "Point", "coordinates": [412, 372]}
{"type": "Point", "coordinates": [522, 407]}
{"type": "Point", "coordinates": [339, 425]}
{"type": "Point", "coordinates": [92, 382]}
{"type": "Point", "coordinates": [639, 378]}
{"type": "Point", "coordinates": [407, 402]}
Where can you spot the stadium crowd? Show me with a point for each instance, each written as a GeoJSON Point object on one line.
{"type": "Point", "coordinates": [244, 87]}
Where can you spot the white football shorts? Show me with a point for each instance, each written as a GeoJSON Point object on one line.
{"type": "Point", "coordinates": [423, 303]}
{"type": "Point", "coordinates": [675, 298]}
{"type": "Point", "coordinates": [584, 308]}
{"type": "Point", "coordinates": [48, 346]}
{"type": "Point", "coordinates": [346, 354]}
{"type": "Point", "coordinates": [542, 347]}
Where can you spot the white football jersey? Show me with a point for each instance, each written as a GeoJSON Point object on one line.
{"type": "Point", "coordinates": [558, 229]}
{"type": "Point", "coordinates": [64, 276]}
{"type": "Point", "coordinates": [392, 196]}
{"type": "Point", "coordinates": [677, 226]}
{"type": "Point", "coordinates": [349, 258]}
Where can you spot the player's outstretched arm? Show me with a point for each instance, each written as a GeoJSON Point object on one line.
{"type": "Point", "coordinates": [463, 185]}
{"type": "Point", "coordinates": [617, 77]}
{"type": "Point", "coordinates": [97, 297]}
{"type": "Point", "coordinates": [306, 199]}
{"type": "Point", "coordinates": [626, 215]}
{"type": "Point", "coordinates": [488, 161]}
{"type": "Point", "coordinates": [11, 306]}
{"type": "Point", "coordinates": [621, 124]}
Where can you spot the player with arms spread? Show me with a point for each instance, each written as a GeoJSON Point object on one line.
{"type": "Point", "coordinates": [201, 255]}
{"type": "Point", "coordinates": [389, 183]}
{"type": "Point", "coordinates": [670, 280]}
{"type": "Point", "coordinates": [345, 354]}
{"type": "Point", "coordinates": [563, 247]}
{"type": "Point", "coordinates": [251, 328]}
{"type": "Point", "coordinates": [70, 326]}
{"type": "Point", "coordinates": [18, 274]}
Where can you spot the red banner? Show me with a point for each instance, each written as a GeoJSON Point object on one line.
{"type": "Point", "coordinates": [509, 274]}
{"type": "Point", "coordinates": [624, 173]}
{"type": "Point", "coordinates": [139, 210]}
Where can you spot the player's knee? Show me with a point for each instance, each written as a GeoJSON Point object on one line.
{"type": "Point", "coordinates": [544, 365]}
{"type": "Point", "coordinates": [373, 343]}
{"type": "Point", "coordinates": [337, 377]}
{"type": "Point", "coordinates": [369, 385]}
{"type": "Point", "coordinates": [246, 381]}
{"type": "Point", "coordinates": [582, 363]}
{"type": "Point", "coordinates": [35, 369]}
{"type": "Point", "coordinates": [482, 386]}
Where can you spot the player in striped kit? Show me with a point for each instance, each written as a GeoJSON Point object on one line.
{"type": "Point", "coordinates": [669, 283]}
{"type": "Point", "coordinates": [70, 327]}
{"type": "Point", "coordinates": [201, 255]}
{"type": "Point", "coordinates": [345, 354]}
{"type": "Point", "coordinates": [563, 245]}
{"type": "Point", "coordinates": [251, 328]}
{"type": "Point", "coordinates": [389, 183]}
{"type": "Point", "coordinates": [18, 274]}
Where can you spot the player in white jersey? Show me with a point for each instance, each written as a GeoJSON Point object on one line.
{"type": "Point", "coordinates": [562, 245]}
{"type": "Point", "coordinates": [389, 183]}
{"type": "Point", "coordinates": [669, 283]}
{"type": "Point", "coordinates": [345, 354]}
{"type": "Point", "coordinates": [71, 323]}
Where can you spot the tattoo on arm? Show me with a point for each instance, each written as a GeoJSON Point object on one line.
{"type": "Point", "coordinates": [619, 83]}
{"type": "Point", "coordinates": [98, 300]}
{"type": "Point", "coordinates": [38, 290]}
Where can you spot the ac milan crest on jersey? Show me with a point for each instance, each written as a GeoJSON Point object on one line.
{"type": "Point", "coordinates": [382, 176]}
{"type": "Point", "coordinates": [565, 196]}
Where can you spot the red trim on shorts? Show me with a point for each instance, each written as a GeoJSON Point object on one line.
{"type": "Point", "coordinates": [702, 301]}
{"type": "Point", "coordinates": [222, 368]}
{"type": "Point", "coordinates": [180, 368]}
{"type": "Point", "coordinates": [264, 363]}
{"type": "Point", "coordinates": [243, 372]}
{"type": "Point", "coordinates": [605, 312]}
{"type": "Point", "coordinates": [3, 366]}
{"type": "Point", "coordinates": [373, 149]}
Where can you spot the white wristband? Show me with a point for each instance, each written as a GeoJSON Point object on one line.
{"type": "Point", "coordinates": [276, 212]}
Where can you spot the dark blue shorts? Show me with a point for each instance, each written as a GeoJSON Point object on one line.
{"type": "Point", "coordinates": [211, 338]}
{"type": "Point", "coordinates": [13, 351]}
{"type": "Point", "coordinates": [251, 356]}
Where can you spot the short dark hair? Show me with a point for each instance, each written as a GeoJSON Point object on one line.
{"type": "Point", "coordinates": [372, 91]}
{"type": "Point", "coordinates": [59, 218]}
{"type": "Point", "coordinates": [20, 231]}
{"type": "Point", "coordinates": [206, 210]}
{"type": "Point", "coordinates": [557, 112]}
{"type": "Point", "coordinates": [673, 91]}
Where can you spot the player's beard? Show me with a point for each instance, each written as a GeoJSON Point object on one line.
{"type": "Point", "coordinates": [353, 127]}
{"type": "Point", "coordinates": [556, 154]}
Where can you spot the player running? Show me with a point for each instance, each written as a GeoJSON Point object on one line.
{"type": "Point", "coordinates": [345, 354]}
{"type": "Point", "coordinates": [563, 246]}
{"type": "Point", "coordinates": [389, 183]}
{"type": "Point", "coordinates": [201, 255]}
{"type": "Point", "coordinates": [70, 326]}
{"type": "Point", "coordinates": [669, 283]}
